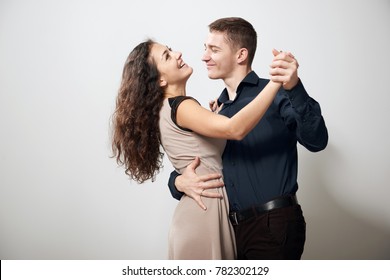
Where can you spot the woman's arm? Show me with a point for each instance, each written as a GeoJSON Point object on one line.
{"type": "Point", "coordinates": [200, 120]}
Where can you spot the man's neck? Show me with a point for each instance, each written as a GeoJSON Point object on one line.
{"type": "Point", "coordinates": [233, 81]}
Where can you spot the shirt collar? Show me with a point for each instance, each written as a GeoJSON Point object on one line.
{"type": "Point", "coordinates": [251, 78]}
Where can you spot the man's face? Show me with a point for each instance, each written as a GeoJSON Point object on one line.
{"type": "Point", "coordinates": [219, 57]}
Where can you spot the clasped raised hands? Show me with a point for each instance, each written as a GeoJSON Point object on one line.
{"type": "Point", "coordinates": [284, 69]}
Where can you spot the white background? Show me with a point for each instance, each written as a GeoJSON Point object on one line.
{"type": "Point", "coordinates": [63, 197]}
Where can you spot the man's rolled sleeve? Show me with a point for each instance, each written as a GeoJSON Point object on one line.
{"type": "Point", "coordinates": [172, 188]}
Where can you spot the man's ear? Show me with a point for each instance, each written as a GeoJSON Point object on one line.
{"type": "Point", "coordinates": [242, 55]}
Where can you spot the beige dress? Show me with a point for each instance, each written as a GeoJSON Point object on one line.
{"type": "Point", "coordinates": [196, 233]}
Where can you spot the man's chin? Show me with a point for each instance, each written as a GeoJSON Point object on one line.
{"type": "Point", "coordinates": [212, 77]}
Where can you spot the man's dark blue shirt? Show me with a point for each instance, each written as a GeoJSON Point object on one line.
{"type": "Point", "coordinates": [264, 164]}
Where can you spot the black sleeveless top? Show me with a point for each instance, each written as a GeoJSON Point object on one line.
{"type": "Point", "coordinates": [174, 102]}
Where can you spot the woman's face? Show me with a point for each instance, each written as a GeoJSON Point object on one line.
{"type": "Point", "coordinates": [172, 69]}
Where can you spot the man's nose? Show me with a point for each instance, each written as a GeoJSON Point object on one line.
{"type": "Point", "coordinates": [206, 56]}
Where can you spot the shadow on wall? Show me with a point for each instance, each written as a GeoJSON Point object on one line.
{"type": "Point", "coordinates": [334, 232]}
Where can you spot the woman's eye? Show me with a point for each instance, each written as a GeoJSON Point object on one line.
{"type": "Point", "coordinates": [167, 55]}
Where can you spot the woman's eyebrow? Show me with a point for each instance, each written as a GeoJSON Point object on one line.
{"type": "Point", "coordinates": [163, 54]}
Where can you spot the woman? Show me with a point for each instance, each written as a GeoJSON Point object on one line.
{"type": "Point", "coordinates": [152, 109]}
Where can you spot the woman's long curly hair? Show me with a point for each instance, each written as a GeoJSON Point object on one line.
{"type": "Point", "coordinates": [136, 134]}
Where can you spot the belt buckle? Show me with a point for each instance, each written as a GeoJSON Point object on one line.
{"type": "Point", "coordinates": [233, 218]}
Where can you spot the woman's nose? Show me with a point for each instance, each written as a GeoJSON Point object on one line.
{"type": "Point", "coordinates": [178, 55]}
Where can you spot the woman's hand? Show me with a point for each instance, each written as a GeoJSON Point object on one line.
{"type": "Point", "coordinates": [213, 104]}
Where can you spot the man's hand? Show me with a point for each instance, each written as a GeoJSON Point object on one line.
{"type": "Point", "coordinates": [284, 69]}
{"type": "Point", "coordinates": [196, 186]}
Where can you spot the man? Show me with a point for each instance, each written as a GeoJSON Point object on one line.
{"type": "Point", "coordinates": [260, 172]}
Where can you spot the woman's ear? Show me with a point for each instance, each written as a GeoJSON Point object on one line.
{"type": "Point", "coordinates": [242, 55]}
{"type": "Point", "coordinates": [163, 83]}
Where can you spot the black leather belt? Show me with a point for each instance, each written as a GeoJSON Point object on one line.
{"type": "Point", "coordinates": [280, 202]}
